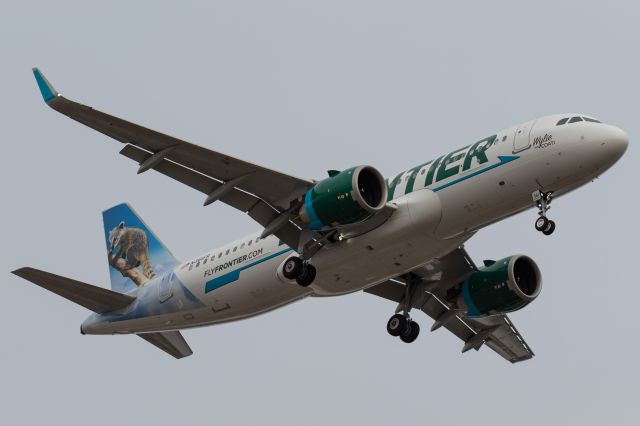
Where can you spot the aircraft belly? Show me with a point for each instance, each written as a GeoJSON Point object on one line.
{"type": "Point", "coordinates": [360, 269]}
{"type": "Point", "coordinates": [403, 243]}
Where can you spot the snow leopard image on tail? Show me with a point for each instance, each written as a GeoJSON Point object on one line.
{"type": "Point", "coordinates": [132, 245]}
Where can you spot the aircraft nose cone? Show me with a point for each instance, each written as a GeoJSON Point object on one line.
{"type": "Point", "coordinates": [617, 142]}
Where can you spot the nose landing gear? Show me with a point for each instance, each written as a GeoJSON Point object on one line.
{"type": "Point", "coordinates": [297, 269]}
{"type": "Point", "coordinates": [542, 200]}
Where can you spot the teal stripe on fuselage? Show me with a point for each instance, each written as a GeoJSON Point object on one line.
{"type": "Point", "coordinates": [504, 159]}
{"type": "Point", "coordinates": [232, 276]}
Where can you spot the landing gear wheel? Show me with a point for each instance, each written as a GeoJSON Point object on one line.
{"type": "Point", "coordinates": [292, 268]}
{"type": "Point", "coordinates": [542, 223]}
{"type": "Point", "coordinates": [550, 228]}
{"type": "Point", "coordinates": [411, 333]}
{"type": "Point", "coordinates": [396, 325]}
{"type": "Point", "coordinates": [307, 276]}
{"type": "Point", "coordinates": [542, 201]}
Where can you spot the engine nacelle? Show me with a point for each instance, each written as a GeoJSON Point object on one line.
{"type": "Point", "coordinates": [346, 197]}
{"type": "Point", "coordinates": [504, 286]}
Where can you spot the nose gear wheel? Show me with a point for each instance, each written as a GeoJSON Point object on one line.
{"type": "Point", "coordinates": [542, 201]}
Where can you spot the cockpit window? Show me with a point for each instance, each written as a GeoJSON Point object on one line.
{"type": "Point", "coordinates": [576, 120]}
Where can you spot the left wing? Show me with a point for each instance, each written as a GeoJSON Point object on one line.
{"type": "Point", "coordinates": [268, 196]}
{"type": "Point", "coordinates": [497, 332]}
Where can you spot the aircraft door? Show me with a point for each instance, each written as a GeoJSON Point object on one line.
{"type": "Point", "coordinates": [522, 139]}
{"type": "Point", "coordinates": [165, 290]}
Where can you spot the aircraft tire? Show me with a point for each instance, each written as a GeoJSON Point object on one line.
{"type": "Point", "coordinates": [292, 268]}
{"type": "Point", "coordinates": [550, 228]}
{"type": "Point", "coordinates": [307, 276]}
{"type": "Point", "coordinates": [412, 332]}
{"type": "Point", "coordinates": [396, 325]}
{"type": "Point", "coordinates": [541, 223]}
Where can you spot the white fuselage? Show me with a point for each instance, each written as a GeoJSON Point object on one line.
{"type": "Point", "coordinates": [440, 204]}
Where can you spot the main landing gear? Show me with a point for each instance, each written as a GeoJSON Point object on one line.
{"type": "Point", "coordinates": [297, 269]}
{"type": "Point", "coordinates": [401, 325]}
{"type": "Point", "coordinates": [542, 201]}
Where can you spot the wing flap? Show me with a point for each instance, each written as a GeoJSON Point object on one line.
{"type": "Point", "coordinates": [235, 198]}
{"type": "Point", "coordinates": [505, 339]}
{"type": "Point", "coordinates": [255, 207]}
{"type": "Point", "coordinates": [94, 298]}
{"type": "Point", "coordinates": [171, 342]}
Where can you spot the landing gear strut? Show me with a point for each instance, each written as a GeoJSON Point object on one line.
{"type": "Point", "coordinates": [297, 269]}
{"type": "Point", "coordinates": [401, 325]}
{"type": "Point", "coordinates": [543, 201]}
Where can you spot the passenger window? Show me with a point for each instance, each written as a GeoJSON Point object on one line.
{"type": "Point", "coordinates": [561, 122]}
{"type": "Point", "coordinates": [227, 252]}
{"type": "Point", "coordinates": [219, 255]}
{"type": "Point", "coordinates": [592, 120]}
{"type": "Point", "coordinates": [257, 239]}
{"type": "Point", "coordinates": [242, 246]}
{"type": "Point", "coordinates": [250, 241]}
{"type": "Point", "coordinates": [235, 248]}
{"type": "Point", "coordinates": [504, 138]}
{"type": "Point", "coordinates": [575, 119]}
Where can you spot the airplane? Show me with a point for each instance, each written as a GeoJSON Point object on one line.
{"type": "Point", "coordinates": [400, 238]}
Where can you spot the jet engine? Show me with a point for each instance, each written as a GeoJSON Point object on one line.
{"type": "Point", "coordinates": [345, 197]}
{"type": "Point", "coordinates": [500, 287]}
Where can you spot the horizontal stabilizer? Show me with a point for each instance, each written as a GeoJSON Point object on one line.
{"type": "Point", "coordinates": [97, 299]}
{"type": "Point", "coordinates": [171, 342]}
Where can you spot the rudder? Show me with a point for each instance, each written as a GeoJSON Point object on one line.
{"type": "Point", "coordinates": [134, 252]}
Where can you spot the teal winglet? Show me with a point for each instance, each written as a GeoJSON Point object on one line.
{"type": "Point", "coordinates": [46, 89]}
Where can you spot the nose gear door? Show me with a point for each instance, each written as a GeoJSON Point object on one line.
{"type": "Point", "coordinates": [522, 139]}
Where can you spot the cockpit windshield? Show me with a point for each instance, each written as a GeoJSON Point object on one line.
{"type": "Point", "coordinates": [576, 119]}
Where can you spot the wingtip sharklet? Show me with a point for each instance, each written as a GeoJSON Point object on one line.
{"type": "Point", "coordinates": [47, 90]}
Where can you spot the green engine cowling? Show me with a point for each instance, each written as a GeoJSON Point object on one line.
{"type": "Point", "coordinates": [346, 197]}
{"type": "Point", "coordinates": [504, 286]}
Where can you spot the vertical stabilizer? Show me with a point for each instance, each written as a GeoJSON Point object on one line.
{"type": "Point", "coordinates": [134, 252]}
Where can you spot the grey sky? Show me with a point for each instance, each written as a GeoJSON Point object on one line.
{"type": "Point", "coordinates": [304, 87]}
